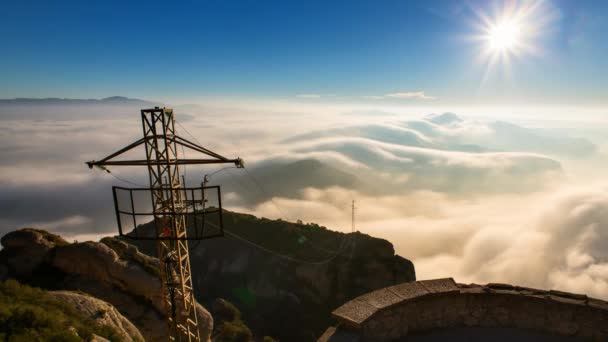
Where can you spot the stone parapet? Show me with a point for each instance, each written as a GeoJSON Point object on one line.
{"type": "Point", "coordinates": [429, 305]}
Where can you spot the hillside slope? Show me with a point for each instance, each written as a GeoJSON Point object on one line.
{"type": "Point", "coordinates": [287, 277]}
{"type": "Point", "coordinates": [285, 179]}
{"type": "Point", "coordinates": [114, 272]}
{"type": "Point", "coordinates": [30, 314]}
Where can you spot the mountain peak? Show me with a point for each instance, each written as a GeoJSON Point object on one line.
{"type": "Point", "coordinates": [115, 98]}
{"type": "Point", "coordinates": [121, 99]}
{"type": "Point", "coordinates": [443, 119]}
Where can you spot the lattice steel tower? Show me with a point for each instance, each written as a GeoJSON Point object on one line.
{"type": "Point", "coordinates": [170, 208]}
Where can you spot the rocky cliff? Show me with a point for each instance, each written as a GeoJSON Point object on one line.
{"type": "Point", "coordinates": [100, 312]}
{"type": "Point", "coordinates": [119, 275]}
{"type": "Point", "coordinates": [32, 314]}
{"type": "Point", "coordinates": [287, 277]}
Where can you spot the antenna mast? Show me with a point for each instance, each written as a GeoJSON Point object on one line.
{"type": "Point", "coordinates": [352, 226]}
{"type": "Point", "coordinates": [170, 207]}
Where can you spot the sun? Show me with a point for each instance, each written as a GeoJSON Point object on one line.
{"type": "Point", "coordinates": [510, 31]}
{"type": "Point", "coordinates": [504, 36]}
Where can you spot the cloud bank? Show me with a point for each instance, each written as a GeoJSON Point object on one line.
{"type": "Point", "coordinates": [419, 95]}
{"type": "Point", "coordinates": [410, 95]}
{"type": "Point", "coordinates": [479, 200]}
{"type": "Point", "coordinates": [552, 240]}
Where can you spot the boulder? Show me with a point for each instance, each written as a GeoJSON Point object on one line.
{"type": "Point", "coordinates": [26, 249]}
{"type": "Point", "coordinates": [100, 262]}
{"type": "Point", "coordinates": [112, 272]}
{"type": "Point", "coordinates": [150, 321]}
{"type": "Point", "coordinates": [101, 312]}
{"type": "Point", "coordinates": [205, 322]}
{"type": "Point", "coordinates": [118, 273]}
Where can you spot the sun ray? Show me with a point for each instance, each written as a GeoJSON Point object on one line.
{"type": "Point", "coordinates": [510, 32]}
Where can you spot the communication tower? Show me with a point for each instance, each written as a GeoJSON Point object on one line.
{"type": "Point", "coordinates": [175, 208]}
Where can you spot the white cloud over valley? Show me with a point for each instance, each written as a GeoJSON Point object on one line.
{"type": "Point", "coordinates": [407, 95]}
{"type": "Point", "coordinates": [479, 200]}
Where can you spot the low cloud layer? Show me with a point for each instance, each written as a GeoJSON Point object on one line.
{"type": "Point", "coordinates": [410, 95]}
{"type": "Point", "coordinates": [450, 132]}
{"type": "Point", "coordinates": [407, 95]}
{"type": "Point", "coordinates": [561, 246]}
{"type": "Point", "coordinates": [480, 200]}
{"type": "Point", "coordinates": [553, 240]}
{"type": "Point", "coordinates": [442, 153]}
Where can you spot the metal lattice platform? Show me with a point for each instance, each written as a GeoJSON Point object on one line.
{"type": "Point", "coordinates": [202, 211]}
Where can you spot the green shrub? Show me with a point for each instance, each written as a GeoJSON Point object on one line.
{"type": "Point", "coordinates": [235, 331]}
{"type": "Point", "coordinates": [30, 314]}
{"type": "Point", "coordinates": [269, 339]}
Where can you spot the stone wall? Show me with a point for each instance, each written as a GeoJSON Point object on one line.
{"type": "Point", "coordinates": [420, 307]}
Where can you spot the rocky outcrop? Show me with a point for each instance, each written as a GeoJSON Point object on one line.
{"type": "Point", "coordinates": [286, 289]}
{"type": "Point", "coordinates": [289, 298]}
{"type": "Point", "coordinates": [26, 249]}
{"type": "Point", "coordinates": [100, 312]}
{"type": "Point", "coordinates": [144, 315]}
{"type": "Point", "coordinates": [114, 272]}
{"type": "Point", "coordinates": [431, 306]}
{"type": "Point", "coordinates": [99, 262]}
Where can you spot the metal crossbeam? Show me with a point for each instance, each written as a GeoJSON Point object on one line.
{"type": "Point", "coordinates": [169, 208]}
{"type": "Point", "coordinates": [163, 162]}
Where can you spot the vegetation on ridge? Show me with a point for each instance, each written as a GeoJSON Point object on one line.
{"type": "Point", "coordinates": [288, 283]}
{"type": "Point", "coordinates": [56, 239]}
{"type": "Point", "coordinates": [30, 314]}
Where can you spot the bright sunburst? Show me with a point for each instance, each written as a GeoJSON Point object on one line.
{"type": "Point", "coordinates": [512, 31]}
{"type": "Point", "coordinates": [504, 36]}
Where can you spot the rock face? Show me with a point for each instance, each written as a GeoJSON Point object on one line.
{"type": "Point", "coordinates": [432, 310]}
{"type": "Point", "coordinates": [286, 289]}
{"type": "Point", "coordinates": [100, 312]}
{"type": "Point", "coordinates": [114, 272]}
{"type": "Point", "coordinates": [99, 262]}
{"type": "Point", "coordinates": [27, 248]}
{"type": "Point", "coordinates": [290, 298]}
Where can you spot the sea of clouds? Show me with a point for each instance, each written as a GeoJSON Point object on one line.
{"type": "Point", "coordinates": [478, 199]}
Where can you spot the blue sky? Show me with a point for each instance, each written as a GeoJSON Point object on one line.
{"type": "Point", "coordinates": [279, 49]}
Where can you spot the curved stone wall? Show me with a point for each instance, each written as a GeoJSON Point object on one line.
{"type": "Point", "coordinates": [430, 305]}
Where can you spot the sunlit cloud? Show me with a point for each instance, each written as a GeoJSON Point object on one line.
{"type": "Point", "coordinates": [556, 244]}
{"type": "Point", "coordinates": [410, 95]}
{"type": "Point", "coordinates": [309, 96]}
{"type": "Point", "coordinates": [420, 95]}
{"type": "Point", "coordinates": [462, 197]}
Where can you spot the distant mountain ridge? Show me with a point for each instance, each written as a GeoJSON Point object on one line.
{"type": "Point", "coordinates": [112, 100]}
{"type": "Point", "coordinates": [288, 179]}
{"type": "Point", "coordinates": [71, 109]}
